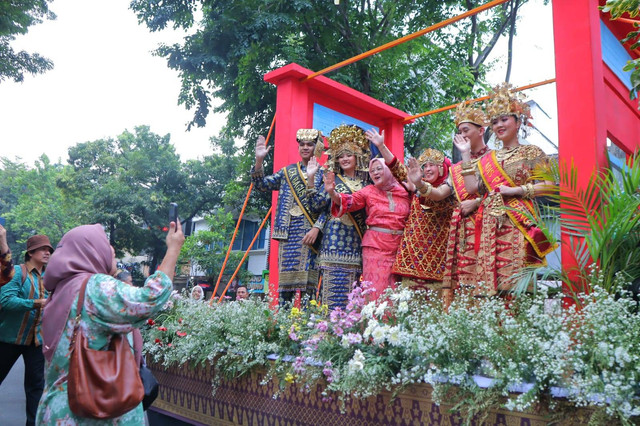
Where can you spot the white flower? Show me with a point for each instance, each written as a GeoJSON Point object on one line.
{"type": "Point", "coordinates": [367, 310]}
{"type": "Point", "coordinates": [379, 334]}
{"type": "Point", "coordinates": [403, 307]}
{"type": "Point", "coordinates": [357, 362]}
{"type": "Point", "coordinates": [381, 309]}
{"type": "Point", "coordinates": [394, 336]}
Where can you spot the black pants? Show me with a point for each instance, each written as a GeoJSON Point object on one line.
{"type": "Point", "coordinates": [33, 372]}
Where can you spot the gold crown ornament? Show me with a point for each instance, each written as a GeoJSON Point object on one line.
{"type": "Point", "coordinates": [308, 135]}
{"type": "Point", "coordinates": [351, 139]}
{"type": "Point", "coordinates": [468, 113]}
{"type": "Point", "coordinates": [504, 100]}
{"type": "Point", "coordinates": [431, 155]}
{"type": "Point", "coordinates": [312, 135]}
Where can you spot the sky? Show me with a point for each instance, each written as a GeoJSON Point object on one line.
{"type": "Point", "coordinates": [105, 81]}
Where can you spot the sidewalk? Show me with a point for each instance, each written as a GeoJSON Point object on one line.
{"type": "Point", "coordinates": [12, 399]}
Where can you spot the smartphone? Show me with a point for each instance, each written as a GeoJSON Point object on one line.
{"type": "Point", "coordinates": [173, 213]}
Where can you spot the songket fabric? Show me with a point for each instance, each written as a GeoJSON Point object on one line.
{"type": "Point", "coordinates": [422, 254]}
{"type": "Point", "coordinates": [340, 258]}
{"type": "Point", "coordinates": [505, 240]}
{"type": "Point", "coordinates": [387, 213]}
{"type": "Point", "coordinates": [460, 268]}
{"type": "Point", "coordinates": [297, 268]}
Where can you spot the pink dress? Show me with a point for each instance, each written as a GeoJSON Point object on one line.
{"type": "Point", "coordinates": [387, 213]}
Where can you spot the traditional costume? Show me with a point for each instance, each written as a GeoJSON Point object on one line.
{"type": "Point", "coordinates": [421, 257]}
{"type": "Point", "coordinates": [340, 257]}
{"type": "Point", "coordinates": [387, 206]}
{"type": "Point", "coordinates": [506, 240]}
{"type": "Point", "coordinates": [293, 219]}
{"type": "Point", "coordinates": [461, 256]}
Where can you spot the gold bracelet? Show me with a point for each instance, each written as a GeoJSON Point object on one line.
{"type": "Point", "coordinates": [467, 165]}
{"type": "Point", "coordinates": [525, 191]}
{"type": "Point", "coordinates": [532, 190]}
{"type": "Point", "coordinates": [467, 172]}
{"type": "Point", "coordinates": [425, 189]}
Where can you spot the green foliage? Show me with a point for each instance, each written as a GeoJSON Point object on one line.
{"type": "Point", "coordinates": [15, 19]}
{"type": "Point", "coordinates": [602, 222]}
{"type": "Point", "coordinates": [126, 184]}
{"type": "Point", "coordinates": [32, 203]}
{"type": "Point", "coordinates": [617, 8]}
{"type": "Point", "coordinates": [522, 357]}
{"type": "Point", "coordinates": [233, 44]}
{"type": "Point", "coordinates": [208, 248]}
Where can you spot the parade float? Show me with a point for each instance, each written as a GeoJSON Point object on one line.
{"type": "Point", "coordinates": [565, 357]}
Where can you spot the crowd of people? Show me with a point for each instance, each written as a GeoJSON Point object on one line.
{"type": "Point", "coordinates": [428, 224]}
{"type": "Point", "coordinates": [38, 313]}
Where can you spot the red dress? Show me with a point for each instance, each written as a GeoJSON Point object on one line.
{"type": "Point", "coordinates": [387, 213]}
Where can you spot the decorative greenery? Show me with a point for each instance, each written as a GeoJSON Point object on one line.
{"type": "Point", "coordinates": [602, 222]}
{"type": "Point", "coordinates": [617, 8]}
{"type": "Point", "coordinates": [518, 355]}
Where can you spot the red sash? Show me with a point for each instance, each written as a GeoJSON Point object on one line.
{"type": "Point", "coordinates": [458, 182]}
{"type": "Point", "coordinates": [493, 176]}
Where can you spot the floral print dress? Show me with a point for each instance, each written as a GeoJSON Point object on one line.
{"type": "Point", "coordinates": [110, 307]}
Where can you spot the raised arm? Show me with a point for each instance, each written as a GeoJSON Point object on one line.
{"type": "Point", "coordinates": [468, 169]}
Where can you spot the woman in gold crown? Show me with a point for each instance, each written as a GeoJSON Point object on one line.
{"type": "Point", "coordinates": [341, 247]}
{"type": "Point", "coordinates": [421, 256]}
{"type": "Point", "coordinates": [505, 240]}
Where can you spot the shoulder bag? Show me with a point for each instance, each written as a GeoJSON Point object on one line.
{"type": "Point", "coordinates": [101, 384]}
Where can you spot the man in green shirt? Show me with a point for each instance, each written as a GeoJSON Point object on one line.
{"type": "Point", "coordinates": [22, 301]}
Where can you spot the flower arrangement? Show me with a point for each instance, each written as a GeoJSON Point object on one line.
{"type": "Point", "coordinates": [483, 352]}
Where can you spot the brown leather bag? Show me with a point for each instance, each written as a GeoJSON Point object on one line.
{"type": "Point", "coordinates": [102, 384]}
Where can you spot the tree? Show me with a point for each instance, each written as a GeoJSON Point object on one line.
{"type": "Point", "coordinates": [235, 43]}
{"type": "Point", "coordinates": [17, 17]}
{"type": "Point", "coordinates": [32, 203]}
{"type": "Point", "coordinates": [617, 8]}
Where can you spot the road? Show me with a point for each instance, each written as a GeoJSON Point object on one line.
{"type": "Point", "coordinates": [12, 401]}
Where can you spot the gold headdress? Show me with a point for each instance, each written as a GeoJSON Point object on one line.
{"type": "Point", "coordinates": [504, 100]}
{"type": "Point", "coordinates": [468, 113]}
{"type": "Point", "coordinates": [348, 138]}
{"type": "Point", "coordinates": [311, 135]}
{"type": "Point", "coordinates": [431, 155]}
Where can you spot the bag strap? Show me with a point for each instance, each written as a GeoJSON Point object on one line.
{"type": "Point", "coordinates": [83, 289]}
{"type": "Point", "coordinates": [23, 268]}
{"type": "Point", "coordinates": [137, 346]}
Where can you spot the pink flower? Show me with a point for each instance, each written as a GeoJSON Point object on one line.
{"type": "Point", "coordinates": [162, 328]}
{"type": "Point", "coordinates": [150, 321]}
{"type": "Point", "coordinates": [181, 333]}
{"type": "Point", "coordinates": [322, 326]}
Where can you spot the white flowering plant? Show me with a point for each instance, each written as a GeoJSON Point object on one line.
{"type": "Point", "coordinates": [483, 353]}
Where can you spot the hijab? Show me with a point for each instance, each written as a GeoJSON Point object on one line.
{"type": "Point", "coordinates": [81, 253]}
{"type": "Point", "coordinates": [388, 181]}
{"type": "Point", "coordinates": [446, 165]}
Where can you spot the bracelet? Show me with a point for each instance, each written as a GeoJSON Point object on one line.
{"type": "Point", "coordinates": [425, 189]}
{"type": "Point", "coordinates": [467, 172]}
{"type": "Point", "coordinates": [528, 191]}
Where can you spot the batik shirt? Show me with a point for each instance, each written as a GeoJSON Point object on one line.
{"type": "Point", "coordinates": [110, 307]}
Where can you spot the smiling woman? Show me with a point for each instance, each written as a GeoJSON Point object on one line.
{"type": "Point", "coordinates": [386, 203]}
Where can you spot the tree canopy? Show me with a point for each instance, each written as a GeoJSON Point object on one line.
{"type": "Point", "coordinates": [15, 18]}
{"type": "Point", "coordinates": [125, 183]}
{"type": "Point", "coordinates": [233, 44]}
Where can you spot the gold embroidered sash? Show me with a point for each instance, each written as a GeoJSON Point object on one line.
{"type": "Point", "coordinates": [358, 217]}
{"type": "Point", "coordinates": [298, 184]}
{"type": "Point", "coordinates": [494, 176]}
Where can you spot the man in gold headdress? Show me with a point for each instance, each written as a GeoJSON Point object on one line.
{"type": "Point", "coordinates": [296, 226]}
{"type": "Point", "coordinates": [470, 121]}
